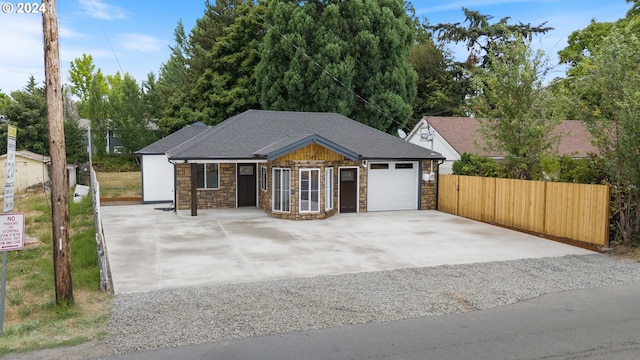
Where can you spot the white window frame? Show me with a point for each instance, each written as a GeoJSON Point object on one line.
{"type": "Point", "coordinates": [328, 188]}
{"type": "Point", "coordinates": [263, 178]}
{"type": "Point", "coordinates": [309, 192]}
{"type": "Point", "coordinates": [204, 171]}
{"type": "Point", "coordinates": [284, 194]}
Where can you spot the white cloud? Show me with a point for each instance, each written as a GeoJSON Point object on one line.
{"type": "Point", "coordinates": [470, 4]}
{"type": "Point", "coordinates": [22, 51]}
{"type": "Point", "coordinates": [141, 43]}
{"type": "Point", "coordinates": [67, 33]}
{"type": "Point", "coordinates": [99, 10]}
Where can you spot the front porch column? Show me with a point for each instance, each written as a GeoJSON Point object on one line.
{"type": "Point", "coordinates": [194, 190]}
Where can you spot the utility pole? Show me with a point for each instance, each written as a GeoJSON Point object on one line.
{"type": "Point", "coordinates": [57, 153]}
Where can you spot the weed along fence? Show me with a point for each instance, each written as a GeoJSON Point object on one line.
{"type": "Point", "coordinates": [103, 260]}
{"type": "Point", "coordinates": [574, 211]}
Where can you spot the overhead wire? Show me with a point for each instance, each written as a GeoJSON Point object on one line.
{"type": "Point", "coordinates": [107, 38]}
{"type": "Point", "coordinates": [324, 70]}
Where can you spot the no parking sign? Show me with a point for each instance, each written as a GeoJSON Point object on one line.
{"type": "Point", "coordinates": [11, 231]}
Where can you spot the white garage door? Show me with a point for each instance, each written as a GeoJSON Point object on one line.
{"type": "Point", "coordinates": [392, 186]}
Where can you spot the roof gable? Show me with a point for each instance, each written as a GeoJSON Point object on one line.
{"type": "Point", "coordinates": [174, 139]}
{"type": "Point", "coordinates": [289, 144]}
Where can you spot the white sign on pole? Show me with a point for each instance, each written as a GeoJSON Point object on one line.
{"type": "Point", "coordinates": [11, 168]}
{"type": "Point", "coordinates": [11, 231]}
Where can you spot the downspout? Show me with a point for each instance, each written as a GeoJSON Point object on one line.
{"type": "Point", "coordinates": [175, 183]}
{"type": "Point", "coordinates": [421, 182]}
{"type": "Point", "coordinates": [440, 162]}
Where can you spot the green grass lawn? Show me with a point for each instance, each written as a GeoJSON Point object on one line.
{"type": "Point", "coordinates": [120, 184]}
{"type": "Point", "coordinates": [32, 318]}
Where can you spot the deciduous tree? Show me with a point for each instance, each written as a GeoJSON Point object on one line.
{"type": "Point", "coordinates": [608, 91]}
{"type": "Point", "coordinates": [126, 113]}
{"type": "Point", "coordinates": [518, 114]}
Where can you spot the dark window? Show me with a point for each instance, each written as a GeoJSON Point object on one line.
{"type": "Point", "coordinates": [379, 166]}
{"type": "Point", "coordinates": [207, 176]}
{"type": "Point", "coordinates": [404, 166]}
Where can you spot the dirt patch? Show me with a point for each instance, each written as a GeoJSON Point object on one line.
{"type": "Point", "coordinates": [626, 252]}
{"type": "Point", "coordinates": [120, 201]}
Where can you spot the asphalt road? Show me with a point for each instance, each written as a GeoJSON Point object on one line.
{"type": "Point", "coordinates": [599, 323]}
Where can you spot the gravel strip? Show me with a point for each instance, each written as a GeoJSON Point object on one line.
{"type": "Point", "coordinates": [175, 317]}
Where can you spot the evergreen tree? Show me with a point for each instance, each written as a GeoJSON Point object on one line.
{"type": "Point", "coordinates": [348, 56]}
{"type": "Point", "coordinates": [228, 86]}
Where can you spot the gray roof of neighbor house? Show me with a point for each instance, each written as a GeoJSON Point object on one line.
{"type": "Point", "coordinates": [463, 133]}
{"type": "Point", "coordinates": [263, 134]}
{"type": "Point", "coordinates": [172, 140]}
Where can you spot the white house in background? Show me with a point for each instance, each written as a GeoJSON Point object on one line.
{"type": "Point", "coordinates": [158, 175]}
{"type": "Point", "coordinates": [453, 136]}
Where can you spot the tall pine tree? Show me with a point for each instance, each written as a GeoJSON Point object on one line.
{"type": "Point", "coordinates": [345, 56]}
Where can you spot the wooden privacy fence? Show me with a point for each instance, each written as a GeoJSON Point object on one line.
{"type": "Point", "coordinates": [574, 211]}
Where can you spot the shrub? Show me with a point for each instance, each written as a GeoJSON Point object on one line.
{"type": "Point", "coordinates": [476, 165]}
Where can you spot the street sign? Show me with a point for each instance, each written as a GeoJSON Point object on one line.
{"type": "Point", "coordinates": [8, 198]}
{"type": "Point", "coordinates": [12, 131]}
{"type": "Point", "coordinates": [11, 231]}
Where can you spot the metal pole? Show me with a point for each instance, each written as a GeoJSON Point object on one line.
{"type": "Point", "coordinates": [4, 283]}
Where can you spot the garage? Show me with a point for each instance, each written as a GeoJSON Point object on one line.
{"type": "Point", "coordinates": [392, 185]}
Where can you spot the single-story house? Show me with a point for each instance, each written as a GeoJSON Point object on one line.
{"type": "Point", "coordinates": [454, 136]}
{"type": "Point", "coordinates": [31, 169]}
{"type": "Point", "coordinates": [294, 165]}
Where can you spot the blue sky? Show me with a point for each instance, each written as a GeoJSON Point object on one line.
{"type": "Point", "coordinates": [134, 36]}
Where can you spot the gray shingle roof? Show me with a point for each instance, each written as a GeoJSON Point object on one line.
{"type": "Point", "coordinates": [249, 134]}
{"type": "Point", "coordinates": [168, 142]}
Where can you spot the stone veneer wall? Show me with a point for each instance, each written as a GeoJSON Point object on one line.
{"type": "Point", "coordinates": [224, 197]}
{"type": "Point", "coordinates": [428, 189]}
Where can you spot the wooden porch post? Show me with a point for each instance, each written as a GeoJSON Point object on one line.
{"type": "Point", "coordinates": [194, 190]}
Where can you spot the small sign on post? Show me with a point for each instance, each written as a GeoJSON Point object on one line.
{"type": "Point", "coordinates": [12, 131]}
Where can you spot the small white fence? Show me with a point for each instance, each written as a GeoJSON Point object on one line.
{"type": "Point", "coordinates": [106, 283]}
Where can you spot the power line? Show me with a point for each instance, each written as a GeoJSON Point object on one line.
{"type": "Point", "coordinates": [107, 38]}
{"type": "Point", "coordinates": [324, 70]}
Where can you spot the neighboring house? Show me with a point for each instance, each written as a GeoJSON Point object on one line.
{"type": "Point", "coordinates": [294, 165]}
{"type": "Point", "coordinates": [453, 136]}
{"type": "Point", "coordinates": [31, 169]}
{"type": "Point", "coordinates": [158, 179]}
{"type": "Point", "coordinates": [113, 145]}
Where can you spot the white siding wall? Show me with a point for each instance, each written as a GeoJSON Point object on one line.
{"type": "Point", "coordinates": [440, 145]}
{"type": "Point", "coordinates": [157, 179]}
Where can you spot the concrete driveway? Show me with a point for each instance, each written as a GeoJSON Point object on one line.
{"type": "Point", "coordinates": [151, 249]}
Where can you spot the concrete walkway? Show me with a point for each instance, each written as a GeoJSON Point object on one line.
{"type": "Point", "coordinates": [151, 249]}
